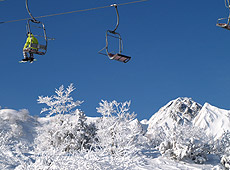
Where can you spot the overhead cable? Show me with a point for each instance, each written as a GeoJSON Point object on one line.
{"type": "Point", "coordinates": [70, 12]}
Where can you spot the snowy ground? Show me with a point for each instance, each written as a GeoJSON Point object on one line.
{"type": "Point", "coordinates": [167, 164]}
{"type": "Point", "coordinates": [18, 132]}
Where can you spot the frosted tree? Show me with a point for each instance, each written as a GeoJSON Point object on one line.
{"type": "Point", "coordinates": [72, 133]}
{"type": "Point", "coordinates": [67, 132]}
{"type": "Point", "coordinates": [186, 142]}
{"type": "Point", "coordinates": [115, 133]}
{"type": "Point", "coordinates": [157, 137]}
{"type": "Point", "coordinates": [14, 141]}
{"type": "Point", "coordinates": [222, 148]}
{"type": "Point", "coordinates": [225, 143]}
{"type": "Point", "coordinates": [60, 103]}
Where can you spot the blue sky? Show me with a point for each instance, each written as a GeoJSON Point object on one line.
{"type": "Point", "coordinates": [176, 50]}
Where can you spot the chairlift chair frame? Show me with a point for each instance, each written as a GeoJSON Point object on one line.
{"type": "Point", "coordinates": [222, 24]}
{"type": "Point", "coordinates": [112, 33]}
{"type": "Point", "coordinates": [42, 49]}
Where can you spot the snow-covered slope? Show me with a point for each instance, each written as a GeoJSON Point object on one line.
{"type": "Point", "coordinates": [181, 111]}
{"type": "Point", "coordinates": [214, 120]}
{"type": "Point", "coordinates": [177, 112]}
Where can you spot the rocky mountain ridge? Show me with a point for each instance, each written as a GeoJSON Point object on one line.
{"type": "Point", "coordinates": [185, 111]}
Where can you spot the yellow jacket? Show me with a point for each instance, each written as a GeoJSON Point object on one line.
{"type": "Point", "coordinates": [31, 39]}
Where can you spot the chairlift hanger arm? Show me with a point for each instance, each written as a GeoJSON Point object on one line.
{"type": "Point", "coordinates": [33, 19]}
{"type": "Point", "coordinates": [115, 5]}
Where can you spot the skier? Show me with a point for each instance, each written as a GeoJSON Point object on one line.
{"type": "Point", "coordinates": [28, 48]}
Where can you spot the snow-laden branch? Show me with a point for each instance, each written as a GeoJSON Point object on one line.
{"type": "Point", "coordinates": [60, 103]}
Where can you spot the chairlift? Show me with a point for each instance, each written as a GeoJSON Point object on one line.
{"type": "Point", "coordinates": [42, 49]}
{"type": "Point", "coordinates": [37, 27]}
{"type": "Point", "coordinates": [220, 22]}
{"type": "Point", "coordinates": [112, 33]}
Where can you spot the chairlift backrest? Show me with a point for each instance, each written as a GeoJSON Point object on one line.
{"type": "Point", "coordinates": [114, 35]}
{"type": "Point", "coordinates": [41, 29]}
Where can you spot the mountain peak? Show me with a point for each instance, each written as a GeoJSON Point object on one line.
{"type": "Point", "coordinates": [213, 120]}
{"type": "Point", "coordinates": [182, 107]}
{"type": "Point", "coordinates": [179, 111]}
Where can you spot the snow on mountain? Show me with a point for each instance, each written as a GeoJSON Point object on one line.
{"type": "Point", "coordinates": [185, 111]}
{"type": "Point", "coordinates": [177, 112]}
{"type": "Point", "coordinates": [214, 120]}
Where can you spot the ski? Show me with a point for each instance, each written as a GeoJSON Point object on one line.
{"type": "Point", "coordinates": [27, 61]}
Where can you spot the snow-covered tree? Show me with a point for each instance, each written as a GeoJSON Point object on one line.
{"type": "Point", "coordinates": [224, 146]}
{"type": "Point", "coordinates": [115, 133]}
{"type": "Point", "coordinates": [157, 137]}
{"type": "Point", "coordinates": [186, 142]}
{"type": "Point", "coordinates": [113, 149]}
{"type": "Point", "coordinates": [221, 147]}
{"type": "Point", "coordinates": [14, 142]}
{"type": "Point", "coordinates": [60, 103]}
{"type": "Point", "coordinates": [225, 161]}
{"type": "Point", "coordinates": [71, 135]}
{"type": "Point", "coordinates": [68, 132]}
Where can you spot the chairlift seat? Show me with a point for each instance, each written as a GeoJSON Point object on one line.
{"type": "Point", "coordinates": [119, 57]}
{"type": "Point", "coordinates": [38, 46]}
{"type": "Point", "coordinates": [223, 25]}
{"type": "Point", "coordinates": [39, 52]}
{"type": "Point", "coordinates": [34, 51]}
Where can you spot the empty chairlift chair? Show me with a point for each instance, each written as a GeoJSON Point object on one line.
{"type": "Point", "coordinates": [220, 22]}
{"type": "Point", "coordinates": [117, 55]}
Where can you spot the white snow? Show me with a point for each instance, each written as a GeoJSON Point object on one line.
{"type": "Point", "coordinates": [180, 111]}
{"type": "Point", "coordinates": [19, 134]}
{"type": "Point", "coordinates": [215, 121]}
